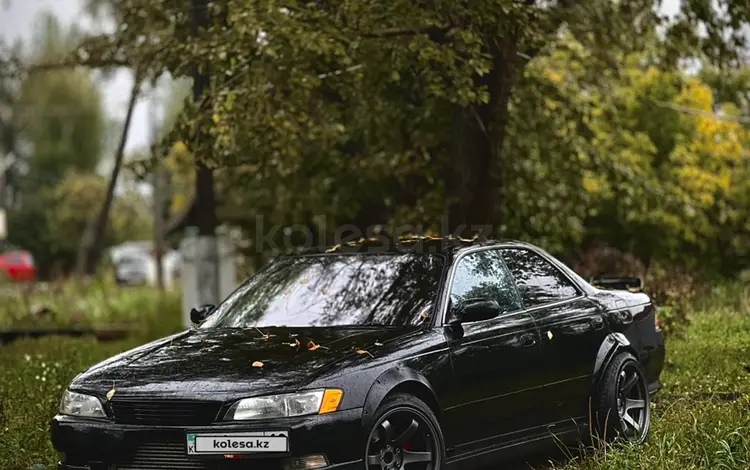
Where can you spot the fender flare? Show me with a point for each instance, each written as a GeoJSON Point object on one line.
{"type": "Point", "coordinates": [610, 347]}
{"type": "Point", "coordinates": [386, 383]}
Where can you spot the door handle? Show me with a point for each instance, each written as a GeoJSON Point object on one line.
{"type": "Point", "coordinates": [597, 323]}
{"type": "Point", "coordinates": [528, 340]}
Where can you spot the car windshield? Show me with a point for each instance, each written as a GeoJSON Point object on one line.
{"type": "Point", "coordinates": [335, 290]}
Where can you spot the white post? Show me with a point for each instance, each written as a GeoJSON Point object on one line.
{"type": "Point", "coordinates": [3, 225]}
{"type": "Point", "coordinates": [199, 275]}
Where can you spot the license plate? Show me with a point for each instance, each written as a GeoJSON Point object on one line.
{"type": "Point", "coordinates": [237, 443]}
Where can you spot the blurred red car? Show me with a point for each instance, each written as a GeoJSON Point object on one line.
{"type": "Point", "coordinates": [17, 265]}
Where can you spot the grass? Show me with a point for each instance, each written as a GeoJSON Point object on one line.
{"type": "Point", "coordinates": [700, 418]}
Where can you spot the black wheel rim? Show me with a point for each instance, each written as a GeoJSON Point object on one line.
{"type": "Point", "coordinates": [632, 403]}
{"type": "Point", "coordinates": [403, 438]}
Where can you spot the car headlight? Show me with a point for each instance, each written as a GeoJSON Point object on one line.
{"type": "Point", "coordinates": [78, 404]}
{"type": "Point", "coordinates": [280, 406]}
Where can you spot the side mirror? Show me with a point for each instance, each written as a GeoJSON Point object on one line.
{"type": "Point", "coordinates": [476, 310]}
{"type": "Point", "coordinates": [199, 314]}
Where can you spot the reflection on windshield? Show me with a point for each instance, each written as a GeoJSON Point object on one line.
{"type": "Point", "coordinates": [335, 290]}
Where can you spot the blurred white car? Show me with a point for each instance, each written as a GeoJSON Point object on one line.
{"type": "Point", "coordinates": [135, 264]}
{"type": "Point", "coordinates": [132, 270]}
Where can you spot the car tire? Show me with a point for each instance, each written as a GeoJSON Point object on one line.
{"type": "Point", "coordinates": [621, 403]}
{"type": "Point", "coordinates": [404, 429]}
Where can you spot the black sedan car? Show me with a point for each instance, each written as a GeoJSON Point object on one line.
{"type": "Point", "coordinates": [427, 355]}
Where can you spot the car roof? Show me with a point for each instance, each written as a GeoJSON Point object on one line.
{"type": "Point", "coordinates": [448, 245]}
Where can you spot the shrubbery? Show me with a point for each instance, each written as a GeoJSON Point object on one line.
{"type": "Point", "coordinates": [674, 289]}
{"type": "Point", "coordinates": [96, 303]}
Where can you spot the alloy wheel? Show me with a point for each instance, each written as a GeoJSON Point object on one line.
{"type": "Point", "coordinates": [402, 439]}
{"type": "Point", "coordinates": [632, 403]}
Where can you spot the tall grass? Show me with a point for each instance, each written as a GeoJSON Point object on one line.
{"type": "Point", "coordinates": [97, 303]}
{"type": "Point", "coordinates": [701, 418]}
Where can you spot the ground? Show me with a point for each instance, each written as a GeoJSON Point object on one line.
{"type": "Point", "coordinates": [700, 418]}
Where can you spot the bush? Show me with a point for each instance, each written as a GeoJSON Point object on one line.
{"type": "Point", "coordinates": [673, 289]}
{"type": "Point", "coordinates": [96, 303]}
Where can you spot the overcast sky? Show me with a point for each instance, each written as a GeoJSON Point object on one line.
{"type": "Point", "coordinates": [17, 20]}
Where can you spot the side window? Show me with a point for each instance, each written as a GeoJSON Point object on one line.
{"type": "Point", "coordinates": [483, 275]}
{"type": "Point", "coordinates": [538, 281]}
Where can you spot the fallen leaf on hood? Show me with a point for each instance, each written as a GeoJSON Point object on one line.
{"type": "Point", "coordinates": [312, 346]}
{"type": "Point", "coordinates": [111, 393]}
{"type": "Point", "coordinates": [362, 351]}
{"type": "Point", "coordinates": [378, 343]}
{"type": "Point", "coordinates": [293, 335]}
{"type": "Point", "coordinates": [258, 364]}
{"type": "Point", "coordinates": [295, 344]}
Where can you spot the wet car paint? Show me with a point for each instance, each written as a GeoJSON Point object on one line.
{"type": "Point", "coordinates": [526, 391]}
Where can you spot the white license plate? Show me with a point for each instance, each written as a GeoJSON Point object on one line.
{"type": "Point", "coordinates": [237, 443]}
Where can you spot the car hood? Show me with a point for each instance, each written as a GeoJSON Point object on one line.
{"type": "Point", "coordinates": [227, 362]}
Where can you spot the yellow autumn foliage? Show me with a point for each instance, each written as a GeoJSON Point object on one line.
{"type": "Point", "coordinates": [181, 167]}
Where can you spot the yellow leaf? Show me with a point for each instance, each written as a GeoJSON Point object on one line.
{"type": "Point", "coordinates": [312, 346]}
{"type": "Point", "coordinates": [110, 394]}
{"type": "Point", "coordinates": [377, 343]}
{"type": "Point", "coordinates": [362, 351]}
{"type": "Point", "coordinates": [258, 364]}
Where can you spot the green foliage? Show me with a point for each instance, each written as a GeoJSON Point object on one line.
{"type": "Point", "coordinates": [93, 304]}
{"type": "Point", "coordinates": [51, 221]}
{"type": "Point", "coordinates": [558, 123]}
{"type": "Point", "coordinates": [59, 113]}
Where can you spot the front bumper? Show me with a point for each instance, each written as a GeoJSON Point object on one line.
{"type": "Point", "coordinates": [104, 445]}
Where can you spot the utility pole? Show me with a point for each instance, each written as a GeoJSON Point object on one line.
{"type": "Point", "coordinates": [4, 169]}
{"type": "Point", "coordinates": [207, 262]}
{"type": "Point", "coordinates": [158, 191]}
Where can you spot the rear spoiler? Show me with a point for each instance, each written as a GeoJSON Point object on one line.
{"type": "Point", "coordinates": [632, 284]}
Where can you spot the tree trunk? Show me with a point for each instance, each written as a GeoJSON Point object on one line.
{"type": "Point", "coordinates": [93, 238]}
{"type": "Point", "coordinates": [475, 171]}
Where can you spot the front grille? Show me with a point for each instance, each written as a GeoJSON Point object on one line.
{"type": "Point", "coordinates": [161, 456]}
{"type": "Point", "coordinates": [164, 412]}
{"type": "Point", "coordinates": [171, 454]}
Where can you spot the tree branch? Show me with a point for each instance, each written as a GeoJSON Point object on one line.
{"type": "Point", "coordinates": [432, 31]}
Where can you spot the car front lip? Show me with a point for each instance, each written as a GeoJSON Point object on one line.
{"type": "Point", "coordinates": [88, 443]}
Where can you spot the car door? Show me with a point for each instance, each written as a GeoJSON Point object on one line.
{"type": "Point", "coordinates": [571, 327]}
{"type": "Point", "coordinates": [494, 361]}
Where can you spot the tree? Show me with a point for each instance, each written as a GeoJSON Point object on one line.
{"type": "Point", "coordinates": [59, 112]}
{"type": "Point", "coordinates": [558, 121]}
{"type": "Point", "coordinates": [92, 243]}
